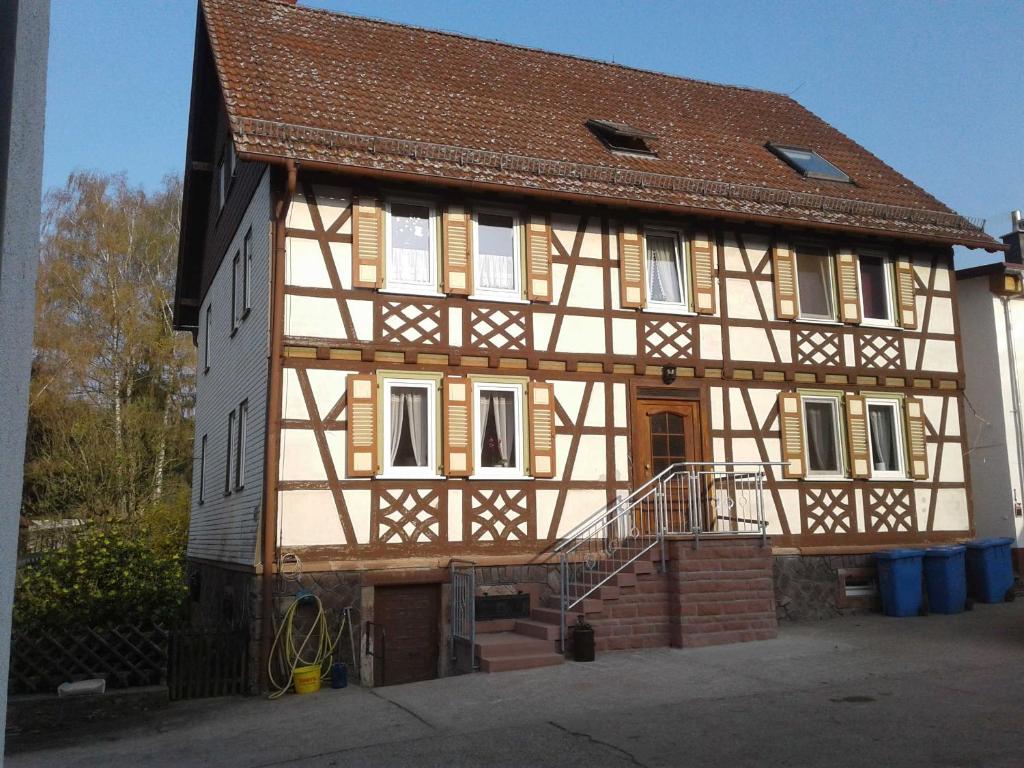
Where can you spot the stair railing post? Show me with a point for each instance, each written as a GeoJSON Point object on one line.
{"type": "Point", "coordinates": [564, 589]}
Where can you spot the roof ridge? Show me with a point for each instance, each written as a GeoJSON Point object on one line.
{"type": "Point", "coordinates": [519, 46]}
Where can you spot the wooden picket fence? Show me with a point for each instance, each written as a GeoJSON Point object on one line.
{"type": "Point", "coordinates": [192, 663]}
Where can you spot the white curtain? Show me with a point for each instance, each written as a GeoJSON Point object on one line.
{"type": "Point", "coordinates": [821, 437]}
{"type": "Point", "coordinates": [883, 446]}
{"type": "Point", "coordinates": [496, 271]}
{"type": "Point", "coordinates": [498, 408]}
{"type": "Point", "coordinates": [501, 402]}
{"type": "Point", "coordinates": [407, 410]}
{"type": "Point", "coordinates": [663, 270]}
{"type": "Point", "coordinates": [409, 265]}
{"type": "Point", "coordinates": [409, 257]}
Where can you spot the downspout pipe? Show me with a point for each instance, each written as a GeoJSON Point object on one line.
{"type": "Point", "coordinates": [273, 441]}
{"type": "Point", "coordinates": [1018, 417]}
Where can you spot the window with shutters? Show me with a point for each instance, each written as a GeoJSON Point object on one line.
{"type": "Point", "coordinates": [410, 247]}
{"type": "Point", "coordinates": [875, 273]}
{"type": "Point", "coordinates": [497, 260]}
{"type": "Point", "coordinates": [815, 283]}
{"type": "Point", "coordinates": [409, 421]}
{"type": "Point", "coordinates": [666, 270]}
{"type": "Point", "coordinates": [498, 429]}
{"type": "Point", "coordinates": [823, 436]}
{"type": "Point", "coordinates": [885, 438]}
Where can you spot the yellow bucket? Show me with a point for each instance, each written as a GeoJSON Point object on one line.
{"type": "Point", "coordinates": [307, 679]}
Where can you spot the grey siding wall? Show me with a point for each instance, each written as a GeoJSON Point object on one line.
{"type": "Point", "coordinates": [224, 527]}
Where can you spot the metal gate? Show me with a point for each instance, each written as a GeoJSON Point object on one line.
{"type": "Point", "coordinates": [463, 608]}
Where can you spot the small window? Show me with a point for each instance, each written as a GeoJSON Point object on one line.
{"type": "Point", "coordinates": [202, 470]}
{"type": "Point", "coordinates": [228, 456]}
{"type": "Point", "coordinates": [410, 414]}
{"type": "Point", "coordinates": [247, 257]}
{"type": "Point", "coordinates": [243, 417]}
{"type": "Point", "coordinates": [620, 137]}
{"type": "Point", "coordinates": [498, 429]}
{"type": "Point", "coordinates": [232, 160]}
{"type": "Point", "coordinates": [809, 163]}
{"type": "Point", "coordinates": [815, 283]}
{"type": "Point", "coordinates": [236, 264]}
{"type": "Point", "coordinates": [411, 247]}
{"type": "Point", "coordinates": [496, 263]}
{"type": "Point", "coordinates": [885, 431]}
{"type": "Point", "coordinates": [823, 436]}
{"type": "Point", "coordinates": [876, 287]}
{"type": "Point", "coordinates": [666, 272]}
{"type": "Point", "coordinates": [206, 338]}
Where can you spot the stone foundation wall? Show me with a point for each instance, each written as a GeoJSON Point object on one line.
{"type": "Point", "coordinates": [807, 587]}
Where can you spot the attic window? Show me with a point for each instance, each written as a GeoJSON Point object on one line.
{"type": "Point", "coordinates": [620, 137]}
{"type": "Point", "coordinates": [809, 163]}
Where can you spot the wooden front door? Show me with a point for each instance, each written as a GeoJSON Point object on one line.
{"type": "Point", "coordinates": [667, 432]}
{"type": "Point", "coordinates": [408, 637]}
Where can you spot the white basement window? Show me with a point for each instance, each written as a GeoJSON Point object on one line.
{"type": "Point", "coordinates": [876, 283]}
{"type": "Point", "coordinates": [666, 270]}
{"type": "Point", "coordinates": [498, 429]}
{"type": "Point", "coordinates": [885, 431]}
{"type": "Point", "coordinates": [411, 247]}
{"type": "Point", "coordinates": [410, 428]}
{"type": "Point", "coordinates": [823, 436]}
{"type": "Point", "coordinates": [497, 266]}
{"type": "Point", "coordinates": [815, 273]}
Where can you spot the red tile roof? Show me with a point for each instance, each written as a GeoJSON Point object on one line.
{"type": "Point", "coordinates": [313, 85]}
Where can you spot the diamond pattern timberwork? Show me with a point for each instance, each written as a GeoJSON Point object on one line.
{"type": "Point", "coordinates": [407, 322]}
{"type": "Point", "coordinates": [668, 338]}
{"type": "Point", "coordinates": [815, 347]}
{"type": "Point", "coordinates": [889, 510]}
{"type": "Point", "coordinates": [408, 516]}
{"type": "Point", "coordinates": [828, 510]}
{"type": "Point", "coordinates": [502, 329]}
{"type": "Point", "coordinates": [499, 514]}
{"type": "Point", "coordinates": [880, 351]}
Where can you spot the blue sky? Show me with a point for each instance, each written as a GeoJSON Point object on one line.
{"type": "Point", "coordinates": [934, 89]}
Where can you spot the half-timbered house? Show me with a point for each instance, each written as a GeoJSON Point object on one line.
{"type": "Point", "coordinates": [476, 320]}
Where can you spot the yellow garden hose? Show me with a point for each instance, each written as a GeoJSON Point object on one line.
{"type": "Point", "coordinates": [291, 655]}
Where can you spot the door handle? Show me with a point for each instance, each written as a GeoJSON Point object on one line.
{"type": "Point", "coordinates": [647, 467]}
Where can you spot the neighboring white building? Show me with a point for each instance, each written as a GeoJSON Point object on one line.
{"type": "Point", "coordinates": [992, 324]}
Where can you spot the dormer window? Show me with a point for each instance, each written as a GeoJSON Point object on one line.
{"type": "Point", "coordinates": [809, 163]}
{"type": "Point", "coordinates": [620, 137]}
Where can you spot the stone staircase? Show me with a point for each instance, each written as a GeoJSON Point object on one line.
{"type": "Point", "coordinates": [719, 592]}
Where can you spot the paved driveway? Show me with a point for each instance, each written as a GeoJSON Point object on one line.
{"type": "Point", "coordinates": [865, 691]}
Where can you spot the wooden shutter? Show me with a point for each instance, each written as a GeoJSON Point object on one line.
{"type": "Point", "coordinates": [538, 258]}
{"type": "Point", "coordinates": [631, 267]}
{"type": "Point", "coordinates": [367, 242]}
{"type": "Point", "coordinates": [458, 427]}
{"type": "Point", "coordinates": [457, 236]}
{"type": "Point", "coordinates": [849, 286]}
{"type": "Point", "coordinates": [542, 429]}
{"type": "Point", "coordinates": [791, 426]}
{"type": "Point", "coordinates": [784, 271]}
{"type": "Point", "coordinates": [906, 294]}
{"type": "Point", "coordinates": [917, 449]}
{"type": "Point", "coordinates": [702, 261]}
{"type": "Point", "coordinates": [362, 425]}
{"type": "Point", "coordinates": [857, 436]}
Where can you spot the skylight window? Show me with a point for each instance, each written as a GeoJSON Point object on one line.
{"type": "Point", "coordinates": [809, 163]}
{"type": "Point", "coordinates": [620, 137]}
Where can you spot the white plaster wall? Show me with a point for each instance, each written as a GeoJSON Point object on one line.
{"type": "Point", "coordinates": [224, 527]}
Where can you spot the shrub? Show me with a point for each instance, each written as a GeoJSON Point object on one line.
{"type": "Point", "coordinates": [105, 577]}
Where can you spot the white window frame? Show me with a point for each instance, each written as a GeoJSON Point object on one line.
{"type": "Point", "coordinates": [494, 294]}
{"type": "Point", "coordinates": [247, 273]}
{"type": "Point", "coordinates": [837, 420]}
{"type": "Point", "coordinates": [431, 468]}
{"type": "Point", "coordinates": [230, 454]}
{"type": "Point", "coordinates": [395, 286]}
{"type": "Point", "coordinates": [236, 262]}
{"type": "Point", "coordinates": [890, 290]}
{"type": "Point", "coordinates": [899, 428]}
{"type": "Point", "coordinates": [206, 338]}
{"type": "Point", "coordinates": [202, 470]}
{"type": "Point", "coordinates": [243, 417]}
{"type": "Point", "coordinates": [519, 470]}
{"type": "Point", "coordinates": [682, 262]}
{"type": "Point", "coordinates": [831, 287]}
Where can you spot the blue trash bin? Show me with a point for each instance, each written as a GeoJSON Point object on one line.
{"type": "Point", "coordinates": [899, 581]}
{"type": "Point", "coordinates": [945, 579]}
{"type": "Point", "coordinates": [989, 569]}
